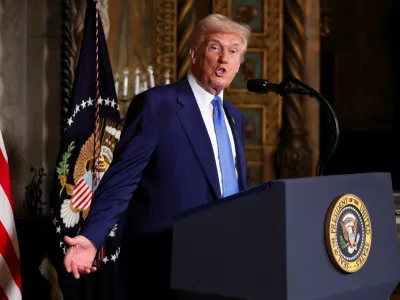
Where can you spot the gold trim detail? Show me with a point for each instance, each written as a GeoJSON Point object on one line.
{"type": "Point", "coordinates": [165, 40]}
{"type": "Point", "coordinates": [186, 24]}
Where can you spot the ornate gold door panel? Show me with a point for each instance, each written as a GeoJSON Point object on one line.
{"type": "Point", "coordinates": [262, 60]}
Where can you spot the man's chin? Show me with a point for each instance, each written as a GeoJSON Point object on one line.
{"type": "Point", "coordinates": [220, 84]}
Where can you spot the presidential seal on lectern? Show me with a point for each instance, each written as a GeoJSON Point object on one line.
{"type": "Point", "coordinates": [348, 233]}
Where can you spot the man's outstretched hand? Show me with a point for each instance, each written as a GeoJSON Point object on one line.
{"type": "Point", "coordinates": [80, 256]}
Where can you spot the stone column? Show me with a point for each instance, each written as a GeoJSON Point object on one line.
{"type": "Point", "coordinates": [294, 156]}
{"type": "Point", "coordinates": [299, 148]}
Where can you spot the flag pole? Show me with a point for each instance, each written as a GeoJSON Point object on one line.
{"type": "Point", "coordinates": [96, 174]}
{"type": "Point", "coordinates": [97, 124]}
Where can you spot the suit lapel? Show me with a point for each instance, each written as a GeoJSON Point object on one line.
{"type": "Point", "coordinates": [240, 154]}
{"type": "Point", "coordinates": [196, 131]}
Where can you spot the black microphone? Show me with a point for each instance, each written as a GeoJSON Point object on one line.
{"type": "Point", "coordinates": [288, 86]}
{"type": "Point", "coordinates": [262, 86]}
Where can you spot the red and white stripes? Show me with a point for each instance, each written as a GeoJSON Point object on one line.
{"type": "Point", "coordinates": [10, 274]}
{"type": "Point", "coordinates": [82, 195]}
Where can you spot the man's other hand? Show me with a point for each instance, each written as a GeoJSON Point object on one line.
{"type": "Point", "coordinates": [80, 256]}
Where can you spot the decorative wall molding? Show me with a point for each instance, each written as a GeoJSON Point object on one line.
{"type": "Point", "coordinates": [186, 24]}
{"type": "Point", "coordinates": [66, 62]}
{"type": "Point", "coordinates": [165, 39]}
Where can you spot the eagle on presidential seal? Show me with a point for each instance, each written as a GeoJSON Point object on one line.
{"type": "Point", "coordinates": [349, 224]}
{"type": "Point", "coordinates": [81, 191]}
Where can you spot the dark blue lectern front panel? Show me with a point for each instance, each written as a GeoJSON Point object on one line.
{"type": "Point", "coordinates": [308, 261]}
{"type": "Point", "coordinates": [269, 243]}
{"type": "Point", "coordinates": [232, 249]}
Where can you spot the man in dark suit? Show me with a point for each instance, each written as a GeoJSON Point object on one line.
{"type": "Point", "coordinates": [182, 146]}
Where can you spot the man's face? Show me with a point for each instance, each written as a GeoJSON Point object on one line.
{"type": "Point", "coordinates": [217, 60]}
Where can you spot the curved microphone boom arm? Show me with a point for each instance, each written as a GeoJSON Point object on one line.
{"type": "Point", "coordinates": [288, 86]}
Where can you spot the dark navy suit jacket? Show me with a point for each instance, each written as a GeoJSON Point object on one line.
{"type": "Point", "coordinates": [163, 165]}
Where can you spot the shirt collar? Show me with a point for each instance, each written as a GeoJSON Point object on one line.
{"type": "Point", "coordinates": [203, 97]}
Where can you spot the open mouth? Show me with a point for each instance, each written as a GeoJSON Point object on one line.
{"type": "Point", "coordinates": [220, 72]}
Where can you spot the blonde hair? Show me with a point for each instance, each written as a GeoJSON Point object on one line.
{"type": "Point", "coordinates": [218, 23]}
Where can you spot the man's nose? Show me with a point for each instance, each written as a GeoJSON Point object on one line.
{"type": "Point", "coordinates": [223, 58]}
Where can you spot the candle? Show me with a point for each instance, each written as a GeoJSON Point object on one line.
{"type": "Point", "coordinates": [151, 72]}
{"type": "Point", "coordinates": [125, 87]}
{"type": "Point", "coordinates": [116, 87]}
{"type": "Point", "coordinates": [137, 81]}
{"type": "Point", "coordinates": [167, 76]}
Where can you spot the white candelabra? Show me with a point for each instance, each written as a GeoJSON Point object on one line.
{"type": "Point", "coordinates": [127, 86]}
{"type": "Point", "coordinates": [141, 82]}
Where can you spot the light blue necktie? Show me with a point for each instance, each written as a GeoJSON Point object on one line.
{"type": "Point", "coordinates": [226, 163]}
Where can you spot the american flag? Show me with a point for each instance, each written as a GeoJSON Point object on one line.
{"type": "Point", "coordinates": [10, 274]}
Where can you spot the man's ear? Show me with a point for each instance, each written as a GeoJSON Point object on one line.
{"type": "Point", "coordinates": [192, 53]}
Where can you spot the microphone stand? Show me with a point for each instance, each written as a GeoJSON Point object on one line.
{"type": "Point", "coordinates": [288, 88]}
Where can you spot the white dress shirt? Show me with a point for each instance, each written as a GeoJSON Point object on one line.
{"type": "Point", "coordinates": [203, 99]}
